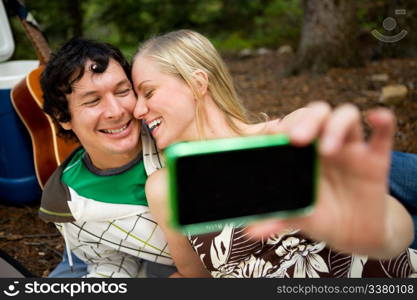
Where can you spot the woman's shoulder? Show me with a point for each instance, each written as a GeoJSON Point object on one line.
{"type": "Point", "coordinates": [283, 124]}
{"type": "Point", "coordinates": [266, 127]}
{"type": "Point", "coordinates": [156, 184]}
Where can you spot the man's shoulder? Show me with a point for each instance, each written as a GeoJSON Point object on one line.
{"type": "Point", "coordinates": [54, 207]}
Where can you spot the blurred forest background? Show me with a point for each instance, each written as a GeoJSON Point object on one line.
{"type": "Point", "coordinates": [233, 25]}
{"type": "Point", "coordinates": [268, 44]}
{"type": "Point", "coordinates": [281, 53]}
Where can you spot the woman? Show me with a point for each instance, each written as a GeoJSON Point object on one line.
{"type": "Point", "coordinates": [186, 93]}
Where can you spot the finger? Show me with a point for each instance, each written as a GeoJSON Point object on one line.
{"type": "Point", "coordinates": [344, 125]}
{"type": "Point", "coordinates": [279, 226]}
{"type": "Point", "coordinates": [382, 122]}
{"type": "Point", "coordinates": [266, 228]}
{"type": "Point", "coordinates": [309, 127]}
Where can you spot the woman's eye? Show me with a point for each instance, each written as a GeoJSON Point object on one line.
{"type": "Point", "coordinates": [148, 94]}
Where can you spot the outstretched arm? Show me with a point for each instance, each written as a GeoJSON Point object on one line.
{"type": "Point", "coordinates": [353, 213]}
{"type": "Point", "coordinates": [186, 259]}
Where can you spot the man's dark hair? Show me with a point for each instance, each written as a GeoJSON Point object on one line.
{"type": "Point", "coordinates": [66, 67]}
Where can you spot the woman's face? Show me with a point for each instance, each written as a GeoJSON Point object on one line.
{"type": "Point", "coordinates": [165, 102]}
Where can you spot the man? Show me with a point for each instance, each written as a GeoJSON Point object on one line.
{"type": "Point", "coordinates": [96, 197]}
{"type": "Point", "coordinates": [403, 186]}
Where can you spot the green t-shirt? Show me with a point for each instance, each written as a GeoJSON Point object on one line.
{"type": "Point", "coordinates": [124, 185]}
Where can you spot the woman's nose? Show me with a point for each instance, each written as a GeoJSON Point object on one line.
{"type": "Point", "coordinates": [140, 109]}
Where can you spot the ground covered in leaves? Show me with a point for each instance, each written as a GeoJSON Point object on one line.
{"type": "Point", "coordinates": [38, 246]}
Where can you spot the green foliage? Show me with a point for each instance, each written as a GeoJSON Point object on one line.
{"type": "Point", "coordinates": [231, 24]}
{"type": "Point", "coordinates": [281, 23]}
{"type": "Point", "coordinates": [232, 42]}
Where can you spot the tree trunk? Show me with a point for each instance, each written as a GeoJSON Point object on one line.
{"type": "Point", "coordinates": [328, 37]}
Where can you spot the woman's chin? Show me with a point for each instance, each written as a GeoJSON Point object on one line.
{"type": "Point", "coordinates": [161, 144]}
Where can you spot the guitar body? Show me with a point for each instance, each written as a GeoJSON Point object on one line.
{"type": "Point", "coordinates": [62, 147]}
{"type": "Point", "coordinates": [49, 150]}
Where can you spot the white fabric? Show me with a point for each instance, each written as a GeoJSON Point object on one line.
{"type": "Point", "coordinates": [87, 209]}
{"type": "Point", "coordinates": [111, 237]}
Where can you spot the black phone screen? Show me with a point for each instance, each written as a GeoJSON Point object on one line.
{"type": "Point", "coordinates": [246, 182]}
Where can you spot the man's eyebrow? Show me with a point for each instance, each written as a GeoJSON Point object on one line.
{"type": "Point", "coordinates": [122, 82]}
{"type": "Point", "coordinates": [89, 93]}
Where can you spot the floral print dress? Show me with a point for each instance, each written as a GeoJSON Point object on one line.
{"type": "Point", "coordinates": [232, 253]}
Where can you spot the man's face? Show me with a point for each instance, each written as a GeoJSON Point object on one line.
{"type": "Point", "coordinates": [101, 108]}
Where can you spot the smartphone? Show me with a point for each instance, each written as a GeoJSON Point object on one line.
{"type": "Point", "coordinates": [239, 180]}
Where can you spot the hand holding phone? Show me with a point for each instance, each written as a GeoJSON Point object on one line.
{"type": "Point", "coordinates": [239, 180]}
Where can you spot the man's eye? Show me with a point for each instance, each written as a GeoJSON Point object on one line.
{"type": "Point", "coordinates": [123, 92]}
{"type": "Point", "coordinates": [92, 102]}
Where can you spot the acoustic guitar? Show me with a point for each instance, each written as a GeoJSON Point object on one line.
{"type": "Point", "coordinates": [49, 150]}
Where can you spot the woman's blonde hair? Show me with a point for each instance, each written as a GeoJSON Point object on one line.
{"type": "Point", "coordinates": [181, 53]}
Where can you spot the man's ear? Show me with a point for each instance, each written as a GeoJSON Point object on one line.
{"type": "Point", "coordinates": [201, 79]}
{"type": "Point", "coordinates": [66, 125]}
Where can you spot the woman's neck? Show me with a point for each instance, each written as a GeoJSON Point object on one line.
{"type": "Point", "coordinates": [215, 124]}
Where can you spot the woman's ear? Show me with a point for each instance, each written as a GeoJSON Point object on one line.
{"type": "Point", "coordinates": [201, 79]}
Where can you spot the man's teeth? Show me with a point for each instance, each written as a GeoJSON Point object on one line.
{"type": "Point", "coordinates": [115, 130]}
{"type": "Point", "coordinates": [154, 124]}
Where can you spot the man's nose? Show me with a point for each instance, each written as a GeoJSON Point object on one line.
{"type": "Point", "coordinates": [113, 108]}
{"type": "Point", "coordinates": [140, 109]}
